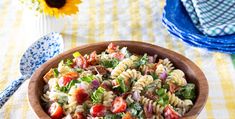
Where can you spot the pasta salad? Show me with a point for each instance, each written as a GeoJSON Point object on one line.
{"type": "Point", "coordinates": [116, 84]}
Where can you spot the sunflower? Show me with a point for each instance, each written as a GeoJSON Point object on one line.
{"type": "Point", "coordinates": [59, 8]}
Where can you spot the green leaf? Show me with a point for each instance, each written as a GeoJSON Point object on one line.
{"type": "Point", "coordinates": [154, 75]}
{"type": "Point", "coordinates": [164, 100]}
{"type": "Point", "coordinates": [122, 85]}
{"type": "Point", "coordinates": [133, 111]}
{"type": "Point", "coordinates": [76, 54]}
{"type": "Point", "coordinates": [110, 116]}
{"type": "Point", "coordinates": [66, 88]}
{"type": "Point", "coordinates": [55, 72]}
{"type": "Point", "coordinates": [165, 86]}
{"type": "Point", "coordinates": [72, 83]}
{"type": "Point", "coordinates": [161, 91]}
{"type": "Point", "coordinates": [142, 61]}
{"type": "Point", "coordinates": [187, 92]}
{"type": "Point", "coordinates": [87, 79]}
{"type": "Point", "coordinates": [96, 96]}
{"type": "Point", "coordinates": [111, 63]}
{"type": "Point", "coordinates": [136, 106]}
{"type": "Point", "coordinates": [68, 62]}
{"type": "Point", "coordinates": [79, 70]}
{"type": "Point", "coordinates": [63, 89]}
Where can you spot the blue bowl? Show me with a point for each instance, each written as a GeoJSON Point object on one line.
{"type": "Point", "coordinates": [229, 50]}
{"type": "Point", "coordinates": [178, 23]}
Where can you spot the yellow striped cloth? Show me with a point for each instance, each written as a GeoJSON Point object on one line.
{"type": "Point", "coordinates": [101, 20]}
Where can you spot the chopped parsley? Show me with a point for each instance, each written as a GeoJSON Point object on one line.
{"type": "Point", "coordinates": [187, 92]}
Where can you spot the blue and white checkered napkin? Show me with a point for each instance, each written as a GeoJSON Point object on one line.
{"type": "Point", "coordinates": [212, 17]}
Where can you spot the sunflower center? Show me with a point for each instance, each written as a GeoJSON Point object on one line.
{"type": "Point", "coordinates": [56, 3]}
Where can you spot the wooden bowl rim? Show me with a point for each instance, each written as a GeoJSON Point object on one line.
{"type": "Point", "coordinates": [193, 113]}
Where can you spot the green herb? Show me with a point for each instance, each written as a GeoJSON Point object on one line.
{"type": "Point", "coordinates": [76, 54]}
{"type": "Point", "coordinates": [165, 86]}
{"type": "Point", "coordinates": [85, 106]}
{"type": "Point", "coordinates": [163, 97]}
{"type": "Point", "coordinates": [63, 89]}
{"type": "Point", "coordinates": [142, 61]}
{"type": "Point", "coordinates": [161, 92]}
{"type": "Point", "coordinates": [154, 75]}
{"type": "Point", "coordinates": [79, 70]}
{"type": "Point", "coordinates": [140, 115]}
{"type": "Point", "coordinates": [164, 100]}
{"type": "Point", "coordinates": [110, 116]}
{"type": "Point", "coordinates": [66, 88]}
{"type": "Point", "coordinates": [120, 115]}
{"type": "Point", "coordinates": [109, 63]}
{"type": "Point", "coordinates": [136, 106]}
{"type": "Point", "coordinates": [187, 92]}
{"type": "Point", "coordinates": [122, 85]}
{"type": "Point", "coordinates": [87, 79]}
{"type": "Point", "coordinates": [55, 72]}
{"type": "Point", "coordinates": [133, 111]}
{"type": "Point", "coordinates": [96, 96]}
{"type": "Point", "coordinates": [68, 62]}
{"type": "Point", "coordinates": [72, 83]}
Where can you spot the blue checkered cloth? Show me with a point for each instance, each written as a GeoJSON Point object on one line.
{"type": "Point", "coordinates": [212, 17]}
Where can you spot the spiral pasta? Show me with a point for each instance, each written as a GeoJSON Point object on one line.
{"type": "Point", "coordinates": [146, 67]}
{"type": "Point", "coordinates": [79, 108]}
{"type": "Point", "coordinates": [156, 107]}
{"type": "Point", "coordinates": [167, 63]}
{"type": "Point", "coordinates": [126, 75]}
{"type": "Point", "coordinates": [177, 77]}
{"type": "Point", "coordinates": [160, 69]}
{"type": "Point", "coordinates": [175, 101]}
{"type": "Point", "coordinates": [158, 116]}
{"type": "Point", "coordinates": [187, 105]}
{"type": "Point", "coordinates": [108, 97]}
{"type": "Point", "coordinates": [70, 108]}
{"type": "Point", "coordinates": [123, 65]}
{"type": "Point", "coordinates": [142, 82]}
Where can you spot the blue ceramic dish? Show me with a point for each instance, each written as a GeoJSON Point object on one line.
{"type": "Point", "coordinates": [178, 23]}
{"type": "Point", "coordinates": [228, 49]}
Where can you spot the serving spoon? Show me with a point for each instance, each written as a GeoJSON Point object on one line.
{"type": "Point", "coordinates": [38, 53]}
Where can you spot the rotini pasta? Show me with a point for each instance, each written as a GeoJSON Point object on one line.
{"type": "Point", "coordinates": [177, 77]}
{"type": "Point", "coordinates": [175, 101]}
{"type": "Point", "coordinates": [117, 84]}
{"type": "Point", "coordinates": [123, 65]}
{"type": "Point", "coordinates": [108, 98]}
{"type": "Point", "coordinates": [144, 68]}
{"type": "Point", "coordinates": [128, 74]}
{"type": "Point", "coordinates": [160, 69]}
{"type": "Point", "coordinates": [167, 63]}
{"type": "Point", "coordinates": [142, 82]}
{"type": "Point", "coordinates": [156, 107]}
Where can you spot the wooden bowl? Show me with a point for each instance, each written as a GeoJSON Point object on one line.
{"type": "Point", "coordinates": [192, 72]}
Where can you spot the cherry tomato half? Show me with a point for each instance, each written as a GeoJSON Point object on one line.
{"type": "Point", "coordinates": [55, 111]}
{"type": "Point", "coordinates": [63, 81]}
{"type": "Point", "coordinates": [81, 62]}
{"type": "Point", "coordinates": [98, 110]}
{"type": "Point", "coordinates": [170, 113]}
{"type": "Point", "coordinates": [81, 96]}
{"type": "Point", "coordinates": [119, 105]}
{"type": "Point", "coordinates": [118, 55]}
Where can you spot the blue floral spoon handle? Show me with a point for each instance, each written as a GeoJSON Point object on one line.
{"type": "Point", "coordinates": [39, 52]}
{"type": "Point", "coordinates": [5, 95]}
